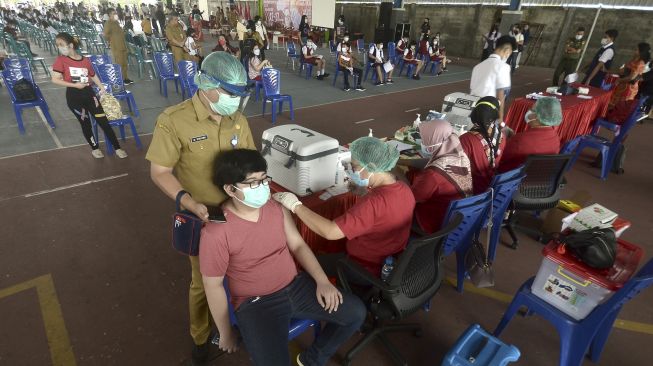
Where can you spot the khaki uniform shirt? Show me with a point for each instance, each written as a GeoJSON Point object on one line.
{"type": "Point", "coordinates": [115, 36]}
{"type": "Point", "coordinates": [175, 34]}
{"type": "Point", "coordinates": [147, 26]}
{"type": "Point", "coordinates": [187, 139]}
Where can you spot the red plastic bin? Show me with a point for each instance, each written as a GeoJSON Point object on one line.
{"type": "Point", "coordinates": [576, 289]}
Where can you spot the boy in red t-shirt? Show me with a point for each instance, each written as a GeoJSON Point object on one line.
{"type": "Point", "coordinates": [254, 250]}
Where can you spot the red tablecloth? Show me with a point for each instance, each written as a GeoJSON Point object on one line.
{"type": "Point", "coordinates": [330, 209]}
{"type": "Point", "coordinates": [578, 115]}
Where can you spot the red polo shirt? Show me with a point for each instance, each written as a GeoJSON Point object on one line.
{"type": "Point", "coordinates": [534, 141]}
{"type": "Point", "coordinates": [378, 225]}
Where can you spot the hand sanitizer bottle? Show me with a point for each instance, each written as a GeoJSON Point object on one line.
{"type": "Point", "coordinates": [417, 121]}
{"type": "Point", "coordinates": [370, 134]}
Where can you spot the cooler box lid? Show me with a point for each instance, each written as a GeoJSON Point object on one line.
{"type": "Point", "coordinates": [625, 265]}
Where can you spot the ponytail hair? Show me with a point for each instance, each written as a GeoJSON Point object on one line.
{"type": "Point", "coordinates": [484, 114]}
{"type": "Point", "coordinates": [66, 37]}
{"type": "Point", "coordinates": [644, 51]}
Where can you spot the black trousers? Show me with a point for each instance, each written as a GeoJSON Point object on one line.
{"type": "Point", "coordinates": [83, 103]}
{"type": "Point", "coordinates": [358, 72]}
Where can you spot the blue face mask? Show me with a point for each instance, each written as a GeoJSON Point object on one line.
{"type": "Point", "coordinates": [255, 197]}
{"type": "Point", "coordinates": [357, 179]}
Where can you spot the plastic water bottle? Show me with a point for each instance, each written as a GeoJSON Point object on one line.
{"type": "Point", "coordinates": [370, 134]}
{"type": "Point", "coordinates": [417, 121]}
{"type": "Point", "coordinates": [388, 266]}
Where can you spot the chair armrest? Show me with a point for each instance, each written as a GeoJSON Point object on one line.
{"type": "Point", "coordinates": [348, 264]}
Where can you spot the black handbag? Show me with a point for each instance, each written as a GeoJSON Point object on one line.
{"type": "Point", "coordinates": [595, 247]}
{"type": "Point", "coordinates": [186, 229]}
{"type": "Point", "coordinates": [477, 265]}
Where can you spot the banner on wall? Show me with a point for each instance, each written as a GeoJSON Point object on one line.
{"type": "Point", "coordinates": [287, 12]}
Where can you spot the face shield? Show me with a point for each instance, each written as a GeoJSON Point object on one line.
{"type": "Point", "coordinates": [205, 81]}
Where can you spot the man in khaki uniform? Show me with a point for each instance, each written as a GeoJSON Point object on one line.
{"type": "Point", "coordinates": [186, 139]}
{"type": "Point", "coordinates": [176, 38]}
{"type": "Point", "coordinates": [115, 36]}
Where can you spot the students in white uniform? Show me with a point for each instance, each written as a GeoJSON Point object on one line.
{"type": "Point", "coordinates": [377, 59]}
{"type": "Point", "coordinates": [492, 76]}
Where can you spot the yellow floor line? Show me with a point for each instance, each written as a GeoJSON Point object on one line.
{"type": "Point", "coordinates": [506, 298]}
{"type": "Point", "coordinates": [61, 351]}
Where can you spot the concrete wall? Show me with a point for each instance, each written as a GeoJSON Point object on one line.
{"type": "Point", "coordinates": [461, 27]}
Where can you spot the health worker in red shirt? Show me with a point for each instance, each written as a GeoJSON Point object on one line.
{"type": "Point", "coordinates": [378, 225]}
{"type": "Point", "coordinates": [539, 139]}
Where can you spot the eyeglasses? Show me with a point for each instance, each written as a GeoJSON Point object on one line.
{"type": "Point", "coordinates": [257, 183]}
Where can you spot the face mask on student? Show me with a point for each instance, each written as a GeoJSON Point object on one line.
{"type": "Point", "coordinates": [579, 37]}
{"type": "Point", "coordinates": [605, 41]}
{"type": "Point", "coordinates": [115, 17]}
{"type": "Point", "coordinates": [255, 197]}
{"type": "Point", "coordinates": [356, 178]}
{"type": "Point", "coordinates": [64, 51]}
{"type": "Point", "coordinates": [380, 46]}
{"type": "Point", "coordinates": [257, 51]}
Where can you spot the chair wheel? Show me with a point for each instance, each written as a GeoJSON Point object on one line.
{"type": "Point", "coordinates": [418, 333]}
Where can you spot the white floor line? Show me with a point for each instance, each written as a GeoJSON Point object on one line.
{"type": "Point", "coordinates": [364, 121]}
{"type": "Point", "coordinates": [39, 193]}
{"type": "Point", "coordinates": [50, 130]}
{"type": "Point", "coordinates": [412, 110]}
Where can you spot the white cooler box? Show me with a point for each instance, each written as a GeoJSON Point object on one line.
{"type": "Point", "coordinates": [300, 160]}
{"type": "Point", "coordinates": [576, 289]}
{"type": "Point", "coordinates": [458, 106]}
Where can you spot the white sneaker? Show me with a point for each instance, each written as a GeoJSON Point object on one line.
{"type": "Point", "coordinates": [121, 153]}
{"type": "Point", "coordinates": [97, 153]}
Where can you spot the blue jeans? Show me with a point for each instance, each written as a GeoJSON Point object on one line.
{"type": "Point", "coordinates": [264, 321]}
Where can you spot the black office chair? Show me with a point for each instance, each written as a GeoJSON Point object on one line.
{"type": "Point", "coordinates": [412, 283]}
{"type": "Point", "coordinates": [540, 189]}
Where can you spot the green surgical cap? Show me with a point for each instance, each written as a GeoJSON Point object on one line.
{"type": "Point", "coordinates": [373, 154]}
{"type": "Point", "coordinates": [548, 111]}
{"type": "Point", "coordinates": [222, 67]}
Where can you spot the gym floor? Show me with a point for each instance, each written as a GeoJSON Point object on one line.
{"type": "Point", "coordinates": [88, 276]}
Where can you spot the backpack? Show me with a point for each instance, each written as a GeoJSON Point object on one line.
{"type": "Point", "coordinates": [24, 91]}
{"type": "Point", "coordinates": [111, 107]}
{"type": "Point", "coordinates": [597, 248]}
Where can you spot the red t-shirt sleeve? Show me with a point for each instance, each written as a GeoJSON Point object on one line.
{"type": "Point", "coordinates": [424, 185]}
{"type": "Point", "coordinates": [214, 252]}
{"type": "Point", "coordinates": [89, 66]}
{"type": "Point", "coordinates": [358, 220]}
{"type": "Point", "coordinates": [58, 65]}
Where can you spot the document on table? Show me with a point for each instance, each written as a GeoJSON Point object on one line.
{"type": "Point", "coordinates": [400, 146]}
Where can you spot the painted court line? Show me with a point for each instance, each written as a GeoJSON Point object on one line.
{"type": "Point", "coordinates": [54, 136]}
{"type": "Point", "coordinates": [39, 193]}
{"type": "Point", "coordinates": [506, 298]}
{"type": "Point", "coordinates": [364, 121]}
{"type": "Point", "coordinates": [412, 110]}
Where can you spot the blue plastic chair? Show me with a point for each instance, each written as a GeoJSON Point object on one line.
{"type": "Point", "coordinates": [111, 75]}
{"type": "Point", "coordinates": [474, 210]}
{"type": "Point", "coordinates": [272, 86]}
{"type": "Point", "coordinates": [607, 148]}
{"type": "Point", "coordinates": [503, 188]}
{"type": "Point", "coordinates": [97, 60]}
{"type": "Point", "coordinates": [305, 65]}
{"type": "Point", "coordinates": [297, 326]}
{"type": "Point", "coordinates": [579, 337]}
{"type": "Point", "coordinates": [392, 52]}
{"type": "Point", "coordinates": [166, 70]}
{"type": "Point", "coordinates": [360, 45]}
{"type": "Point", "coordinates": [120, 123]}
{"type": "Point", "coordinates": [434, 66]}
{"type": "Point", "coordinates": [292, 55]}
{"type": "Point", "coordinates": [476, 347]}
{"type": "Point", "coordinates": [409, 69]}
{"type": "Point", "coordinates": [10, 77]}
{"type": "Point", "coordinates": [187, 71]}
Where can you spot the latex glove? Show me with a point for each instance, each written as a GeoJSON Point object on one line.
{"type": "Point", "coordinates": [288, 200]}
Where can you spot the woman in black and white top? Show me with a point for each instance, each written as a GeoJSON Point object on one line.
{"type": "Point", "coordinates": [377, 60]}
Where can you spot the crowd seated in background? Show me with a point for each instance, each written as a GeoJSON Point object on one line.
{"type": "Point", "coordinates": [484, 143]}
{"type": "Point", "coordinates": [445, 177]}
{"type": "Point", "coordinates": [539, 138]}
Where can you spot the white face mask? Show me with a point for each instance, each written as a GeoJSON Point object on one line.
{"type": "Point", "coordinates": [579, 37]}
{"type": "Point", "coordinates": [412, 48]}
{"type": "Point", "coordinates": [259, 22]}
{"type": "Point", "coordinates": [257, 51]}
{"type": "Point", "coordinates": [346, 39]}
{"type": "Point", "coordinates": [604, 41]}
{"type": "Point", "coordinates": [380, 46]}
{"type": "Point", "coordinates": [340, 22]}
{"type": "Point", "coordinates": [115, 17]}
{"type": "Point", "coordinates": [64, 50]}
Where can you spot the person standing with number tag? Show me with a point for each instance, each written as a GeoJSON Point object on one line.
{"type": "Point", "coordinates": [187, 138]}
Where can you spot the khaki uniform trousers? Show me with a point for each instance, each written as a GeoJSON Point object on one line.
{"type": "Point", "coordinates": [200, 323]}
